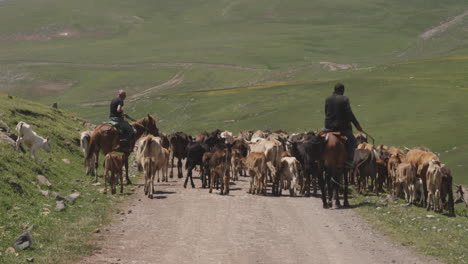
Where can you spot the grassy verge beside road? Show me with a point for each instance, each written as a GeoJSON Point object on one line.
{"type": "Point", "coordinates": [429, 233]}
{"type": "Point", "coordinates": [58, 236]}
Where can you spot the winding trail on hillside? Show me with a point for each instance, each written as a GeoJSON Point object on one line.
{"type": "Point", "coordinates": [192, 226]}
{"type": "Point", "coordinates": [131, 65]}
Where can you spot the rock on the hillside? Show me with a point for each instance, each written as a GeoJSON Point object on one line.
{"type": "Point", "coordinates": [24, 241]}
{"type": "Point", "coordinates": [58, 196]}
{"type": "Point", "coordinates": [43, 180]}
{"type": "Point", "coordinates": [72, 197]}
{"type": "Point", "coordinates": [10, 250]}
{"type": "Point", "coordinates": [5, 138]}
{"type": "Point", "coordinates": [67, 161]}
{"type": "Point", "coordinates": [60, 205]}
{"type": "Point", "coordinates": [30, 259]}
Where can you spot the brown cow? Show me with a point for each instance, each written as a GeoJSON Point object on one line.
{"type": "Point", "coordinates": [256, 166]}
{"type": "Point", "coordinates": [420, 160]}
{"type": "Point", "coordinates": [219, 170]}
{"type": "Point", "coordinates": [434, 186]}
{"type": "Point", "coordinates": [113, 164]}
{"type": "Point", "coordinates": [405, 179]}
{"type": "Point", "coordinates": [392, 165]}
{"type": "Point", "coordinates": [149, 171]}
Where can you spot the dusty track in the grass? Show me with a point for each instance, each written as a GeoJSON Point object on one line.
{"type": "Point", "coordinates": [192, 226]}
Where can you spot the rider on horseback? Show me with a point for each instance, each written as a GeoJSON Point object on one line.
{"type": "Point", "coordinates": [117, 115]}
{"type": "Point", "coordinates": [338, 117]}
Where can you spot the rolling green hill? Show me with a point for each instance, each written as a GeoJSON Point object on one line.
{"type": "Point", "coordinates": [198, 64]}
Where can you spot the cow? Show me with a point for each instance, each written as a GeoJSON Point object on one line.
{"type": "Point", "coordinates": [256, 166]}
{"type": "Point", "coordinates": [195, 152]}
{"type": "Point", "coordinates": [420, 160]}
{"type": "Point", "coordinates": [205, 170]}
{"type": "Point", "coordinates": [165, 166]}
{"type": "Point", "coordinates": [309, 154]}
{"type": "Point", "coordinates": [447, 190]}
{"type": "Point", "coordinates": [361, 138]}
{"type": "Point", "coordinates": [227, 136]}
{"type": "Point", "coordinates": [392, 164]}
{"type": "Point", "coordinates": [219, 170]}
{"type": "Point", "coordinates": [244, 135]}
{"type": "Point", "coordinates": [149, 171]}
{"type": "Point", "coordinates": [434, 186]}
{"type": "Point", "coordinates": [405, 179]}
{"type": "Point", "coordinates": [289, 175]}
{"type": "Point", "coordinates": [239, 149]}
{"type": "Point", "coordinates": [150, 147]}
{"type": "Point", "coordinates": [179, 142]}
{"type": "Point", "coordinates": [365, 166]}
{"type": "Point", "coordinates": [85, 136]}
{"type": "Point", "coordinates": [113, 164]}
{"type": "Point", "coordinates": [272, 150]}
{"type": "Point", "coordinates": [31, 139]}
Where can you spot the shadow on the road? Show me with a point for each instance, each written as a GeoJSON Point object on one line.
{"type": "Point", "coordinates": [163, 192]}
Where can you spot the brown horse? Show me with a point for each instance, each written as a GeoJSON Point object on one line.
{"type": "Point", "coordinates": [334, 158]}
{"type": "Point", "coordinates": [106, 139]}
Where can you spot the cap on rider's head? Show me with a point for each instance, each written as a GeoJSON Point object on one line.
{"type": "Point", "coordinates": [339, 88]}
{"type": "Point", "coordinates": [122, 93]}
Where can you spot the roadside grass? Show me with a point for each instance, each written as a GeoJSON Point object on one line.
{"type": "Point", "coordinates": [429, 233]}
{"type": "Point", "coordinates": [58, 237]}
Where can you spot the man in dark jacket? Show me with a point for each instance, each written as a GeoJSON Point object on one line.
{"type": "Point", "coordinates": [116, 115]}
{"type": "Point", "coordinates": [339, 116]}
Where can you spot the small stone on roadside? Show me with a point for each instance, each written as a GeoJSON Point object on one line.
{"type": "Point", "coordinates": [24, 241]}
{"type": "Point", "coordinates": [43, 180]}
{"type": "Point", "coordinates": [430, 216]}
{"type": "Point", "coordinates": [67, 161]}
{"type": "Point", "coordinates": [30, 259]}
{"type": "Point", "coordinates": [97, 230]}
{"type": "Point", "coordinates": [60, 206]}
{"type": "Point", "coordinates": [129, 212]}
{"type": "Point", "coordinates": [10, 250]}
{"type": "Point", "coordinates": [72, 197]}
{"type": "Point", "coordinates": [96, 184]}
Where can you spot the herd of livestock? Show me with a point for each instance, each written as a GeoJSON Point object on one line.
{"type": "Point", "coordinates": [298, 163]}
{"type": "Point", "coordinates": [292, 162]}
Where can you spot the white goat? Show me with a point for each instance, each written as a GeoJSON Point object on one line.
{"type": "Point", "coordinates": [31, 139]}
{"type": "Point", "coordinates": [85, 137]}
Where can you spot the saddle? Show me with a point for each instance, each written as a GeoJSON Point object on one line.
{"type": "Point", "coordinates": [326, 135]}
{"type": "Point", "coordinates": [114, 124]}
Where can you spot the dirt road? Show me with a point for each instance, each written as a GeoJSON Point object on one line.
{"type": "Point", "coordinates": [193, 226]}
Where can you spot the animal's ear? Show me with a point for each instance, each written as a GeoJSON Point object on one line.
{"type": "Point", "coordinates": [150, 117]}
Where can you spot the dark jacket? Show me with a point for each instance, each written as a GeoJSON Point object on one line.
{"type": "Point", "coordinates": [338, 113]}
{"type": "Point", "coordinates": [113, 107]}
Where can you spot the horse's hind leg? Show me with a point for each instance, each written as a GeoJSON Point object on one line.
{"type": "Point", "coordinates": [126, 171]}
{"type": "Point", "coordinates": [336, 177]}
{"type": "Point", "coordinates": [179, 168]}
{"type": "Point", "coordinates": [322, 189]}
{"type": "Point", "coordinates": [189, 174]}
{"type": "Point", "coordinates": [329, 187]}
{"type": "Point", "coordinates": [345, 195]}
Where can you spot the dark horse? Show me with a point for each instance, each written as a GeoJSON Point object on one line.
{"type": "Point", "coordinates": [334, 158]}
{"type": "Point", "coordinates": [106, 139]}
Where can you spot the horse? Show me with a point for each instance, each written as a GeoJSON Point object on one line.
{"type": "Point", "coordinates": [334, 158]}
{"type": "Point", "coordinates": [106, 138]}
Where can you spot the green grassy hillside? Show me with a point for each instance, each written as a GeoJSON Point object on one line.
{"type": "Point", "coordinates": [196, 64]}
{"type": "Point", "coordinates": [58, 237]}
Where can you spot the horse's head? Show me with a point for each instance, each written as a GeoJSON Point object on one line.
{"type": "Point", "coordinates": [149, 122]}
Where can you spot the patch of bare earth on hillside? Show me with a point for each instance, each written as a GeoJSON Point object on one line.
{"type": "Point", "coordinates": [53, 86]}
{"type": "Point", "coordinates": [331, 66]}
{"type": "Point", "coordinates": [443, 26]}
{"type": "Point", "coordinates": [41, 34]}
